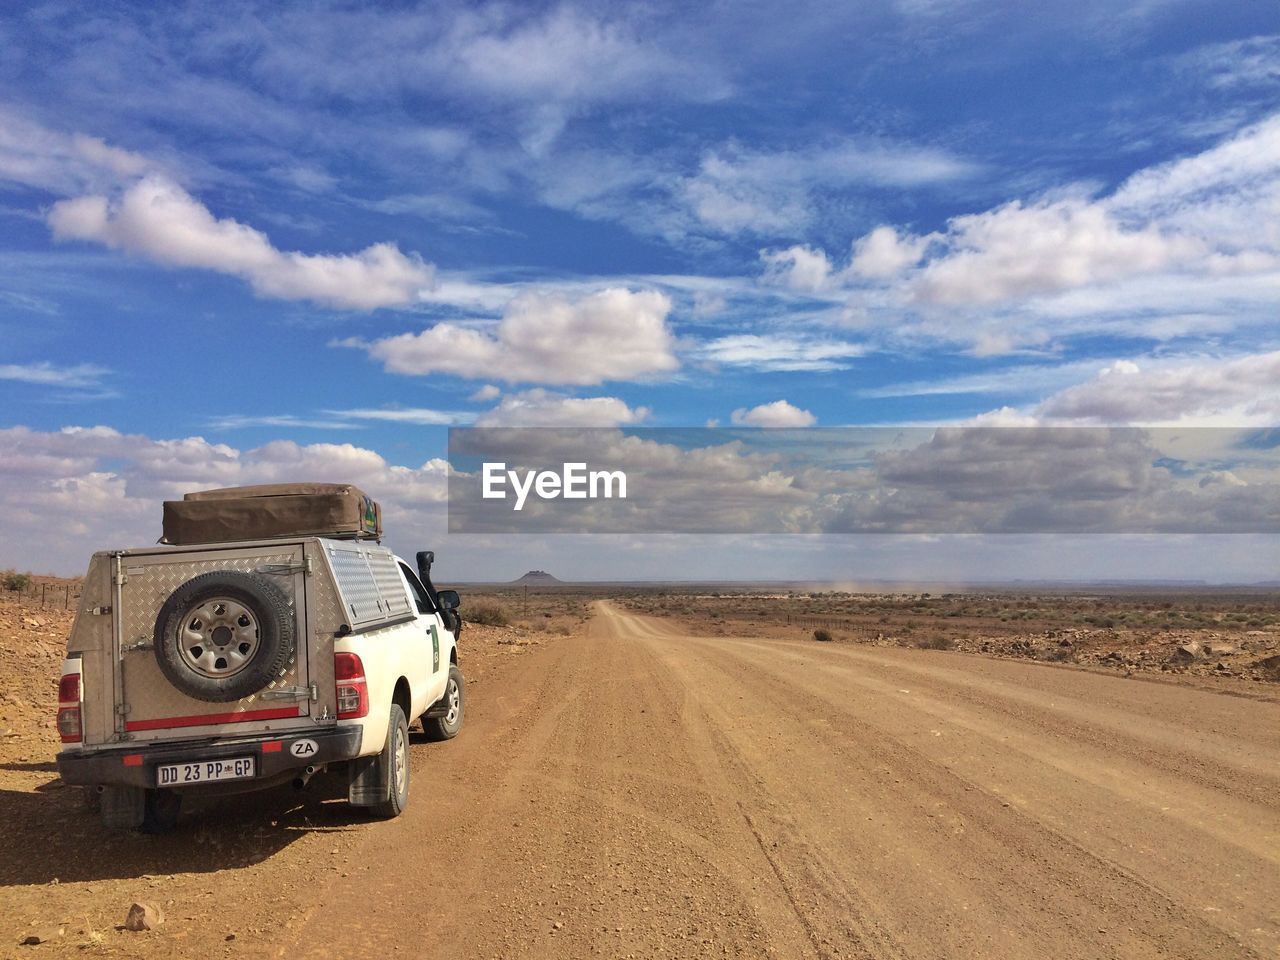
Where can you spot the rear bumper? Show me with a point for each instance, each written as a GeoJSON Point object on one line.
{"type": "Point", "coordinates": [135, 765]}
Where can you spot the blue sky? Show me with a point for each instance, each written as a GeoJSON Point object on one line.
{"type": "Point", "coordinates": [253, 239]}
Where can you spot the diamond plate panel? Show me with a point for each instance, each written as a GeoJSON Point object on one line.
{"type": "Point", "coordinates": [149, 584]}
{"type": "Point", "coordinates": [386, 574]}
{"type": "Point", "coordinates": [355, 581]}
{"type": "Point", "coordinates": [327, 615]}
{"type": "Point", "coordinates": [369, 581]}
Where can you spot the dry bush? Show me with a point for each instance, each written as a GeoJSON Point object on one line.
{"type": "Point", "coordinates": [15, 581]}
{"type": "Point", "coordinates": [488, 614]}
{"type": "Point", "coordinates": [822, 635]}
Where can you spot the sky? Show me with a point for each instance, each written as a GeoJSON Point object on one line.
{"type": "Point", "coordinates": [254, 242]}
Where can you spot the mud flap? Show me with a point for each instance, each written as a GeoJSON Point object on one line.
{"type": "Point", "coordinates": [368, 784]}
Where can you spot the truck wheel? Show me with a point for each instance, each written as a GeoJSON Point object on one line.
{"type": "Point", "coordinates": [224, 635]}
{"type": "Point", "coordinates": [122, 808]}
{"type": "Point", "coordinates": [444, 719]}
{"type": "Point", "coordinates": [160, 811]}
{"type": "Point", "coordinates": [393, 767]}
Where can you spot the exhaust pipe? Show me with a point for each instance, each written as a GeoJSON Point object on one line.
{"type": "Point", "coordinates": [300, 782]}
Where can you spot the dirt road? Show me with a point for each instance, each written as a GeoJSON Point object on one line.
{"type": "Point", "coordinates": [631, 791]}
{"type": "Point", "coordinates": [636, 792]}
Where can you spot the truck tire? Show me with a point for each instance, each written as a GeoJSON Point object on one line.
{"type": "Point", "coordinates": [224, 635]}
{"type": "Point", "coordinates": [160, 811]}
{"type": "Point", "coordinates": [444, 720]}
{"type": "Point", "coordinates": [122, 808]}
{"type": "Point", "coordinates": [393, 767]}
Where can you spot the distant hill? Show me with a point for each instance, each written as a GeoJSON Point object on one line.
{"type": "Point", "coordinates": [538, 578]}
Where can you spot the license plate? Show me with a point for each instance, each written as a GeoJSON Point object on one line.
{"type": "Point", "coordinates": [204, 771]}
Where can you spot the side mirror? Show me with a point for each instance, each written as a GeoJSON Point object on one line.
{"type": "Point", "coordinates": [449, 599]}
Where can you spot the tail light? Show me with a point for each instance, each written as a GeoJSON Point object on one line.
{"type": "Point", "coordinates": [353, 692]}
{"type": "Point", "coordinates": [69, 727]}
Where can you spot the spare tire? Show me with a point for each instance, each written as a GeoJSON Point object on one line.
{"type": "Point", "coordinates": [224, 635]}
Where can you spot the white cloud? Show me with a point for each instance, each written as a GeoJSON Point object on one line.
{"type": "Point", "coordinates": [543, 408]}
{"type": "Point", "coordinates": [615, 334]}
{"type": "Point", "coordinates": [774, 352]}
{"type": "Point", "coordinates": [1232, 392]}
{"type": "Point", "coordinates": [1177, 249]}
{"type": "Point", "coordinates": [536, 69]}
{"type": "Point", "coordinates": [64, 163]}
{"type": "Point", "coordinates": [485, 394]}
{"type": "Point", "coordinates": [158, 219]}
{"type": "Point", "coordinates": [306, 178]}
{"type": "Point", "coordinates": [1254, 61]}
{"type": "Point", "coordinates": [1022, 250]}
{"type": "Point", "coordinates": [707, 304]}
{"type": "Point", "coordinates": [780, 413]}
{"type": "Point", "coordinates": [48, 374]}
{"type": "Point", "coordinates": [417, 416]}
{"type": "Point", "coordinates": [567, 56]}
{"type": "Point", "coordinates": [1228, 195]}
{"type": "Point", "coordinates": [737, 190]}
{"type": "Point", "coordinates": [235, 421]}
{"type": "Point", "coordinates": [79, 489]}
{"type": "Point", "coordinates": [1025, 379]}
{"type": "Point", "coordinates": [799, 268]}
{"type": "Point", "coordinates": [883, 253]}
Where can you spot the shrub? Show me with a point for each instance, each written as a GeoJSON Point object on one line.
{"type": "Point", "coordinates": [487, 614]}
{"type": "Point", "coordinates": [821, 634]}
{"type": "Point", "coordinates": [12, 580]}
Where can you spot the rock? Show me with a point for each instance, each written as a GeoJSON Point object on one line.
{"type": "Point", "coordinates": [41, 936]}
{"type": "Point", "coordinates": [1219, 649]}
{"type": "Point", "coordinates": [1187, 652]}
{"type": "Point", "coordinates": [143, 916]}
{"type": "Point", "coordinates": [1269, 666]}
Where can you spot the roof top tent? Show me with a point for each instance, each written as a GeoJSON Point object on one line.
{"type": "Point", "coordinates": [337, 510]}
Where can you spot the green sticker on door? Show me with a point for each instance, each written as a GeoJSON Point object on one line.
{"type": "Point", "coordinates": [435, 649]}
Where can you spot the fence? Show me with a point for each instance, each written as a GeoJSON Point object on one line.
{"type": "Point", "coordinates": [829, 622]}
{"type": "Point", "coordinates": [59, 595]}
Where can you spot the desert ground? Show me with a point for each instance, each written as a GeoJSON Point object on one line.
{"type": "Point", "coordinates": [689, 772]}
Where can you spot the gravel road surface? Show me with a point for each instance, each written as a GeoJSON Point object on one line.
{"type": "Point", "coordinates": [637, 792]}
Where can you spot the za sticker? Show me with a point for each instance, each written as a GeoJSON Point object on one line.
{"type": "Point", "coordinates": [304, 748]}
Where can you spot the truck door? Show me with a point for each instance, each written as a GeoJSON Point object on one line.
{"type": "Point", "coordinates": [218, 633]}
{"type": "Point", "coordinates": [433, 649]}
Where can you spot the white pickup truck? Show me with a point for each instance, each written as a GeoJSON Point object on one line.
{"type": "Point", "coordinates": [236, 666]}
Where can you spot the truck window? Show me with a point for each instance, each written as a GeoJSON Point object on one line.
{"type": "Point", "coordinates": [419, 595]}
